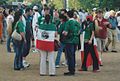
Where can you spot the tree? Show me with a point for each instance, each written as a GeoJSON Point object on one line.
{"type": "Point", "coordinates": [3, 2]}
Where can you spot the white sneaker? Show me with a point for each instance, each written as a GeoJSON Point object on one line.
{"type": "Point", "coordinates": [64, 63]}
{"type": "Point", "coordinates": [57, 66]}
{"type": "Point", "coordinates": [26, 64]}
{"type": "Point", "coordinates": [34, 51]}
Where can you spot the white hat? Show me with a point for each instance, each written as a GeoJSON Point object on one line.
{"type": "Point", "coordinates": [35, 8]}
{"type": "Point", "coordinates": [94, 9]}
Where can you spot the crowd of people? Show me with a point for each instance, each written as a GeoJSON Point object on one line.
{"type": "Point", "coordinates": [90, 32]}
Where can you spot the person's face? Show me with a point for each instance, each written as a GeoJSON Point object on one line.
{"type": "Point", "coordinates": [62, 12]}
{"type": "Point", "coordinates": [47, 12]}
{"type": "Point", "coordinates": [99, 15]}
{"type": "Point", "coordinates": [12, 13]}
{"type": "Point", "coordinates": [31, 12]}
{"type": "Point", "coordinates": [113, 14]}
{"type": "Point", "coordinates": [21, 17]}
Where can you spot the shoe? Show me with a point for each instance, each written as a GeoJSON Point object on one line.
{"type": "Point", "coordinates": [106, 48]}
{"type": "Point", "coordinates": [64, 64]}
{"type": "Point", "coordinates": [17, 69]}
{"type": "Point", "coordinates": [57, 66]}
{"type": "Point", "coordinates": [42, 74]}
{"type": "Point", "coordinates": [34, 51]}
{"type": "Point", "coordinates": [69, 74]}
{"type": "Point", "coordinates": [95, 71]}
{"type": "Point", "coordinates": [52, 75]}
{"type": "Point", "coordinates": [114, 51]}
{"type": "Point", "coordinates": [82, 70]}
{"type": "Point", "coordinates": [101, 65]}
{"type": "Point", "coordinates": [26, 64]}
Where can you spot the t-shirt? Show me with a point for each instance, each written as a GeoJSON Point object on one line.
{"type": "Point", "coordinates": [88, 31]}
{"type": "Point", "coordinates": [20, 27]}
{"type": "Point", "coordinates": [73, 28]}
{"type": "Point", "coordinates": [102, 33]}
{"type": "Point", "coordinates": [118, 20]}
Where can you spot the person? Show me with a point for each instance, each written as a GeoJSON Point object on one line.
{"type": "Point", "coordinates": [94, 13]}
{"type": "Point", "coordinates": [5, 13]}
{"type": "Point", "coordinates": [118, 20]}
{"type": "Point", "coordinates": [107, 14]}
{"type": "Point", "coordinates": [9, 20]}
{"type": "Point", "coordinates": [112, 34]}
{"type": "Point", "coordinates": [56, 18]}
{"type": "Point", "coordinates": [72, 39]}
{"type": "Point", "coordinates": [28, 36]}
{"type": "Point", "coordinates": [64, 12]}
{"type": "Point", "coordinates": [63, 20]}
{"type": "Point", "coordinates": [88, 27]}
{"type": "Point", "coordinates": [19, 26]}
{"type": "Point", "coordinates": [1, 24]}
{"type": "Point", "coordinates": [45, 43]}
{"type": "Point", "coordinates": [34, 24]}
{"type": "Point", "coordinates": [101, 32]}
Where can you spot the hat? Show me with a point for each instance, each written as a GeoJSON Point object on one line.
{"type": "Point", "coordinates": [94, 9]}
{"type": "Point", "coordinates": [35, 8]}
{"type": "Point", "coordinates": [89, 17]}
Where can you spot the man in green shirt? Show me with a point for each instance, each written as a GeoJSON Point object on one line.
{"type": "Point", "coordinates": [71, 32]}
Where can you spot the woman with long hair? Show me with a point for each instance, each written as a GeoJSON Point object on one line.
{"type": "Point", "coordinates": [19, 26]}
{"type": "Point", "coordinates": [45, 43]}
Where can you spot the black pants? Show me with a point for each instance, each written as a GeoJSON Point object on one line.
{"type": "Point", "coordinates": [27, 45]}
{"type": "Point", "coordinates": [89, 48]}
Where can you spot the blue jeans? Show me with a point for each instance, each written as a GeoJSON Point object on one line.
{"type": "Point", "coordinates": [119, 37]}
{"type": "Point", "coordinates": [18, 56]}
{"type": "Point", "coordinates": [4, 29]}
{"type": "Point", "coordinates": [70, 52]}
{"type": "Point", "coordinates": [60, 50]}
{"type": "Point", "coordinates": [8, 43]}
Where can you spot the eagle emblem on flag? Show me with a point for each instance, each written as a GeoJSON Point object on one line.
{"type": "Point", "coordinates": [45, 35]}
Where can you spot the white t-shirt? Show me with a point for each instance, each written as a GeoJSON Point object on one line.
{"type": "Point", "coordinates": [107, 15]}
{"type": "Point", "coordinates": [118, 20]}
{"type": "Point", "coordinates": [10, 18]}
{"type": "Point", "coordinates": [35, 19]}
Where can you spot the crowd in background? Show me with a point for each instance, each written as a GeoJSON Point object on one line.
{"type": "Point", "coordinates": [102, 26]}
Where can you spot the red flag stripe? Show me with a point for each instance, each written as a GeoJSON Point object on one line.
{"type": "Point", "coordinates": [45, 45]}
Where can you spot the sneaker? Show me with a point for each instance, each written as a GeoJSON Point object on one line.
{"type": "Point", "coordinates": [95, 71]}
{"type": "Point", "coordinates": [34, 51]}
{"type": "Point", "coordinates": [64, 63]}
{"type": "Point", "coordinates": [26, 64]}
{"type": "Point", "coordinates": [101, 65]}
{"type": "Point", "coordinates": [57, 66]}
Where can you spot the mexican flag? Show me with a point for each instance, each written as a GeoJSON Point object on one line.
{"type": "Point", "coordinates": [45, 37]}
{"type": "Point", "coordinates": [89, 58]}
